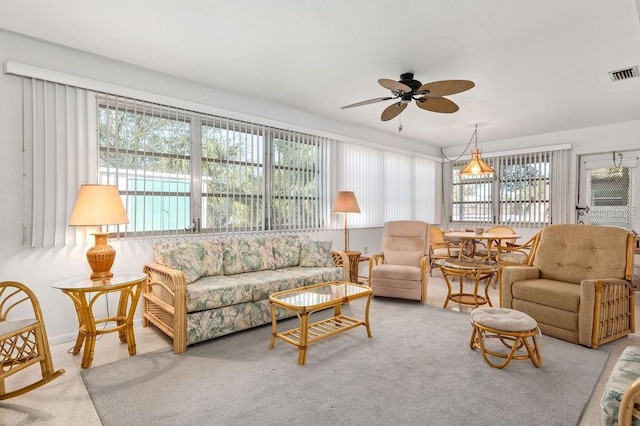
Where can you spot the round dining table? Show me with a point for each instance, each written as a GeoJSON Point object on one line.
{"type": "Point", "coordinates": [468, 238]}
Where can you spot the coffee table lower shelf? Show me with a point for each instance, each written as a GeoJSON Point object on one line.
{"type": "Point", "coordinates": [317, 331]}
{"type": "Point", "coordinates": [321, 329]}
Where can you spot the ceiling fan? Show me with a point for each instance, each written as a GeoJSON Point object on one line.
{"type": "Point", "coordinates": [428, 96]}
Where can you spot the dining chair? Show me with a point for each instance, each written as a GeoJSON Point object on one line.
{"type": "Point", "coordinates": [440, 247]}
{"type": "Point", "coordinates": [483, 251]}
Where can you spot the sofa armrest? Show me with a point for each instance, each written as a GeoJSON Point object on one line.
{"type": "Point", "coordinates": [511, 274]}
{"type": "Point", "coordinates": [607, 311]}
{"type": "Point", "coordinates": [341, 259]}
{"type": "Point", "coordinates": [628, 402]}
{"type": "Point", "coordinates": [164, 303]}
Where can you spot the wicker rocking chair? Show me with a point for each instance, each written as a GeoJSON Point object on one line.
{"type": "Point", "coordinates": [23, 341]}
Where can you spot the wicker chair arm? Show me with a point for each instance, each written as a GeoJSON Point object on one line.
{"type": "Point", "coordinates": [525, 249]}
{"type": "Point", "coordinates": [341, 259]}
{"type": "Point", "coordinates": [164, 281]}
{"type": "Point", "coordinates": [606, 310]}
{"type": "Point", "coordinates": [630, 397]}
{"type": "Point", "coordinates": [447, 245]}
{"type": "Point", "coordinates": [374, 260]}
{"type": "Point", "coordinates": [164, 302]}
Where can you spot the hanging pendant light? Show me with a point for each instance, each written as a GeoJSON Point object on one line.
{"type": "Point", "coordinates": [476, 166]}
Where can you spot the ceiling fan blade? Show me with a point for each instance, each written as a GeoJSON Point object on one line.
{"type": "Point", "coordinates": [368, 101]}
{"type": "Point", "coordinates": [438, 89]}
{"type": "Point", "coordinates": [443, 105]}
{"type": "Point", "coordinates": [393, 110]}
{"type": "Point", "coordinates": [394, 86]}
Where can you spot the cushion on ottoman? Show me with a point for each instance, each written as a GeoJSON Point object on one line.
{"type": "Point", "coordinates": [503, 319]}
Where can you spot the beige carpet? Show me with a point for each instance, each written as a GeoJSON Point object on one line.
{"type": "Point", "coordinates": [417, 368]}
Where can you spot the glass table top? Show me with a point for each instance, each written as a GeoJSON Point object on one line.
{"type": "Point", "coordinates": [468, 263]}
{"type": "Point", "coordinates": [85, 283]}
{"type": "Point", "coordinates": [321, 293]}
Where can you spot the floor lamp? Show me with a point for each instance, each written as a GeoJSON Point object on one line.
{"type": "Point", "coordinates": [345, 203]}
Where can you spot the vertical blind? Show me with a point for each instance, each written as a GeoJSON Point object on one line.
{"type": "Point", "coordinates": [59, 154]}
{"type": "Point", "coordinates": [388, 185]}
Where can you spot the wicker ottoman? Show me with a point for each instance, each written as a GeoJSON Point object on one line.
{"type": "Point", "coordinates": [513, 328]}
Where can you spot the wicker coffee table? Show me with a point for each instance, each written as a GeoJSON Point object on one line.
{"type": "Point", "coordinates": [306, 300]}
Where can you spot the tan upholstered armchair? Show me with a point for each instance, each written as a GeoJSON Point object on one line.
{"type": "Point", "coordinates": [576, 284]}
{"type": "Point", "coordinates": [401, 270]}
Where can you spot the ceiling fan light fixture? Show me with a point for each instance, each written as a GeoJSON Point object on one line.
{"type": "Point", "coordinates": [476, 166]}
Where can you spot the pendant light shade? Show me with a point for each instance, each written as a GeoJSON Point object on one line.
{"type": "Point", "coordinates": [476, 166]}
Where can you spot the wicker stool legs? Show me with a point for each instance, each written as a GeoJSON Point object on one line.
{"type": "Point", "coordinates": [511, 339]}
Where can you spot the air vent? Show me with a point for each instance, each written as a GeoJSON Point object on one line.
{"type": "Point", "coordinates": [624, 74]}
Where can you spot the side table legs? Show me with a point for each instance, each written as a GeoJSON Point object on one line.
{"type": "Point", "coordinates": [87, 323]}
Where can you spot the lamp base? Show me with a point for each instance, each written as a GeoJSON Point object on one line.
{"type": "Point", "coordinates": [101, 257]}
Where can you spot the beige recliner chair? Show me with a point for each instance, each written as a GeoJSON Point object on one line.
{"type": "Point", "coordinates": [402, 269]}
{"type": "Point", "coordinates": [576, 284]}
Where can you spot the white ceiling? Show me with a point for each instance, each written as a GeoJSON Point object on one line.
{"type": "Point", "coordinates": [539, 65]}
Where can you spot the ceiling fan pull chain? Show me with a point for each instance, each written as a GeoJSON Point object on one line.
{"type": "Point", "coordinates": [400, 126]}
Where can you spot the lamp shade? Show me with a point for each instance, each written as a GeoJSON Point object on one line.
{"type": "Point", "coordinates": [98, 205]}
{"type": "Point", "coordinates": [345, 202]}
{"type": "Point", "coordinates": [476, 166]}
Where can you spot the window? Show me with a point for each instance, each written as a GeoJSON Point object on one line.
{"type": "Point", "coordinates": [519, 194]}
{"type": "Point", "coordinates": [610, 190]}
{"type": "Point", "coordinates": [182, 171]}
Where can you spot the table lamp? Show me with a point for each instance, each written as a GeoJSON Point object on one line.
{"type": "Point", "coordinates": [345, 202]}
{"type": "Point", "coordinates": [99, 205]}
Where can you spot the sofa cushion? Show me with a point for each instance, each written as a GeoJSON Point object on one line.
{"type": "Point", "coordinates": [286, 250]}
{"type": "Point", "coordinates": [556, 294]}
{"type": "Point", "coordinates": [194, 258]}
{"type": "Point", "coordinates": [552, 321]}
{"type": "Point", "coordinates": [225, 290]}
{"type": "Point", "coordinates": [246, 255]}
{"type": "Point", "coordinates": [397, 272]}
{"type": "Point", "coordinates": [316, 254]}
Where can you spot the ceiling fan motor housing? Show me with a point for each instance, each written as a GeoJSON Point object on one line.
{"type": "Point", "coordinates": [407, 78]}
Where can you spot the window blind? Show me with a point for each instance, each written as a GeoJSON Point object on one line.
{"type": "Point", "coordinates": [388, 185]}
{"type": "Point", "coordinates": [59, 154]}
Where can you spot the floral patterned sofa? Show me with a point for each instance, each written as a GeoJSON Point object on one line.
{"type": "Point", "coordinates": [201, 289]}
{"type": "Point", "coordinates": [620, 398]}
